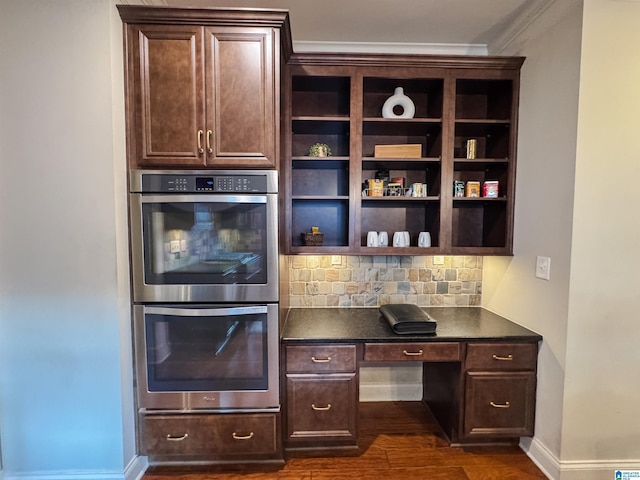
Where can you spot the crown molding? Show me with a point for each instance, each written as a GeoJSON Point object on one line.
{"type": "Point", "coordinates": [534, 19]}
{"type": "Point", "coordinates": [148, 3]}
{"type": "Point", "coordinates": [394, 48]}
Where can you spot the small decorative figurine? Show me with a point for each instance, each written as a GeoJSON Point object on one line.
{"type": "Point", "coordinates": [319, 150]}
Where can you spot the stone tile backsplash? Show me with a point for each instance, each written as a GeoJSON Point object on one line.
{"type": "Point", "coordinates": [371, 281]}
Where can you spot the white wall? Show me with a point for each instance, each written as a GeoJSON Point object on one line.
{"type": "Point", "coordinates": [579, 124]}
{"type": "Point", "coordinates": [544, 202]}
{"type": "Point", "coordinates": [65, 367]}
{"type": "Point", "coordinates": [602, 388]}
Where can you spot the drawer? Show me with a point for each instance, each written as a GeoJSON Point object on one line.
{"type": "Point", "coordinates": [320, 358]}
{"type": "Point", "coordinates": [499, 404]}
{"type": "Point", "coordinates": [209, 435]}
{"type": "Point", "coordinates": [416, 352]}
{"type": "Point", "coordinates": [501, 356]}
{"type": "Point", "coordinates": [322, 408]}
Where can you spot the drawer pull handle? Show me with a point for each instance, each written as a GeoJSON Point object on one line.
{"type": "Point", "coordinates": [320, 360]}
{"type": "Point", "coordinates": [199, 137]}
{"type": "Point", "coordinates": [209, 133]}
{"type": "Point", "coordinates": [413, 354]}
{"type": "Point", "coordinates": [321, 409]}
{"type": "Point", "coordinates": [242, 437]}
{"type": "Point", "coordinates": [171, 438]}
{"type": "Point", "coordinates": [500, 405]}
{"type": "Point", "coordinates": [507, 358]}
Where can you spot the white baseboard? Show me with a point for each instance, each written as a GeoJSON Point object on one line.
{"type": "Point", "coordinates": [134, 471]}
{"type": "Point", "coordinates": [136, 468]}
{"type": "Point", "coordinates": [542, 457]}
{"type": "Point", "coordinates": [390, 392]}
{"type": "Point", "coordinates": [574, 469]}
{"type": "Point", "coordinates": [597, 470]}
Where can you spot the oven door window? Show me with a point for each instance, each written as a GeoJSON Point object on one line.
{"type": "Point", "coordinates": [205, 242]}
{"type": "Point", "coordinates": [206, 349]}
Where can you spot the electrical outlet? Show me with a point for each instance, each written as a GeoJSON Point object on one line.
{"type": "Point", "coordinates": [336, 260]}
{"type": "Point", "coordinates": [174, 246]}
{"type": "Point", "coordinates": [543, 267]}
{"type": "Point", "coordinates": [438, 260]}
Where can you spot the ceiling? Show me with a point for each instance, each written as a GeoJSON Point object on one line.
{"type": "Point", "coordinates": [411, 26]}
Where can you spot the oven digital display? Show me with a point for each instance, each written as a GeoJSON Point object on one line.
{"type": "Point", "coordinates": [204, 184]}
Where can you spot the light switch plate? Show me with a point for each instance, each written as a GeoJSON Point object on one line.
{"type": "Point", "coordinates": [543, 267]}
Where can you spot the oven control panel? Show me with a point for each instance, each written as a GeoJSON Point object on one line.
{"type": "Point", "coordinates": [205, 182]}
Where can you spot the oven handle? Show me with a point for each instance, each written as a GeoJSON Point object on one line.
{"type": "Point", "coordinates": [206, 312]}
{"type": "Point", "coordinates": [202, 197]}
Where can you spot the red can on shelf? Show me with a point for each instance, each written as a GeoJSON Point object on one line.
{"type": "Point", "coordinates": [490, 189]}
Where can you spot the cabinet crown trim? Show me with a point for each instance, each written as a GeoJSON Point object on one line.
{"type": "Point", "coordinates": [249, 17]}
{"type": "Point", "coordinates": [407, 60]}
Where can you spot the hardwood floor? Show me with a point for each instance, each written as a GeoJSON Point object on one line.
{"type": "Point", "coordinates": [398, 440]}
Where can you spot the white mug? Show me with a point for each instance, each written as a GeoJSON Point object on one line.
{"type": "Point", "coordinates": [383, 239]}
{"type": "Point", "coordinates": [407, 239]}
{"type": "Point", "coordinates": [372, 239]}
{"type": "Point", "coordinates": [424, 239]}
{"type": "Point", "coordinates": [401, 239]}
{"type": "Point", "coordinates": [397, 239]}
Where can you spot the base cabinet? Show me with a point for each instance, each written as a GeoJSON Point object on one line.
{"type": "Point", "coordinates": [489, 397]}
{"type": "Point", "coordinates": [479, 392]}
{"type": "Point", "coordinates": [499, 390]}
{"type": "Point", "coordinates": [321, 409]}
{"type": "Point", "coordinates": [499, 404]}
{"type": "Point", "coordinates": [211, 438]}
{"type": "Point", "coordinates": [321, 396]}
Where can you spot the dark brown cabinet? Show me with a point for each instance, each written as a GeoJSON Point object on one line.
{"type": "Point", "coordinates": [500, 386]}
{"type": "Point", "coordinates": [338, 100]}
{"type": "Point", "coordinates": [321, 396]}
{"type": "Point", "coordinates": [203, 87]}
{"type": "Point", "coordinates": [210, 437]}
{"type": "Point", "coordinates": [478, 391]}
{"type": "Point", "coordinates": [499, 404]}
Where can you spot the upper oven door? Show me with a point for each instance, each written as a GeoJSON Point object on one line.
{"type": "Point", "coordinates": [204, 247]}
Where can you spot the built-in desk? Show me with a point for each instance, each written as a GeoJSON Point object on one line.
{"type": "Point", "coordinates": [479, 373]}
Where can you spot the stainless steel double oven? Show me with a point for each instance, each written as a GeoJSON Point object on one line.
{"type": "Point", "coordinates": [204, 256]}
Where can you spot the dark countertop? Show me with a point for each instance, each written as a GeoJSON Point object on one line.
{"type": "Point", "coordinates": [347, 325]}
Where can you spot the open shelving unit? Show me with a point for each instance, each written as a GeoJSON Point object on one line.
{"type": "Point", "coordinates": [338, 100]}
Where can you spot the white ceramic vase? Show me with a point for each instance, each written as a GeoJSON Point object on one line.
{"type": "Point", "coordinates": [398, 99]}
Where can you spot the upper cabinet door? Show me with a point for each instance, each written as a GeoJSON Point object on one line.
{"type": "Point", "coordinates": [240, 97]}
{"type": "Point", "coordinates": [168, 84]}
{"type": "Point", "coordinates": [202, 86]}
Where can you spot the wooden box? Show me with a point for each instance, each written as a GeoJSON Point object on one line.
{"type": "Point", "coordinates": [409, 150]}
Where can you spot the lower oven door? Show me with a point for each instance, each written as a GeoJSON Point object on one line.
{"type": "Point", "coordinates": [207, 357]}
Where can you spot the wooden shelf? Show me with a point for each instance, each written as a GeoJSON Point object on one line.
{"type": "Point", "coordinates": [324, 118]}
{"type": "Point", "coordinates": [479, 199]}
{"type": "Point", "coordinates": [402, 120]}
{"type": "Point", "coordinates": [320, 197]}
{"type": "Point", "coordinates": [400, 199]}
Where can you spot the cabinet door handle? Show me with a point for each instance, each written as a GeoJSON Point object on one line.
{"type": "Point", "coordinates": [209, 133]}
{"type": "Point", "coordinates": [500, 405]}
{"type": "Point", "coordinates": [242, 437]}
{"type": "Point", "coordinates": [413, 354]}
{"type": "Point", "coordinates": [321, 409]}
{"type": "Point", "coordinates": [320, 360]}
{"type": "Point", "coordinates": [498, 357]}
{"type": "Point", "coordinates": [199, 137]}
{"type": "Point", "coordinates": [171, 438]}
